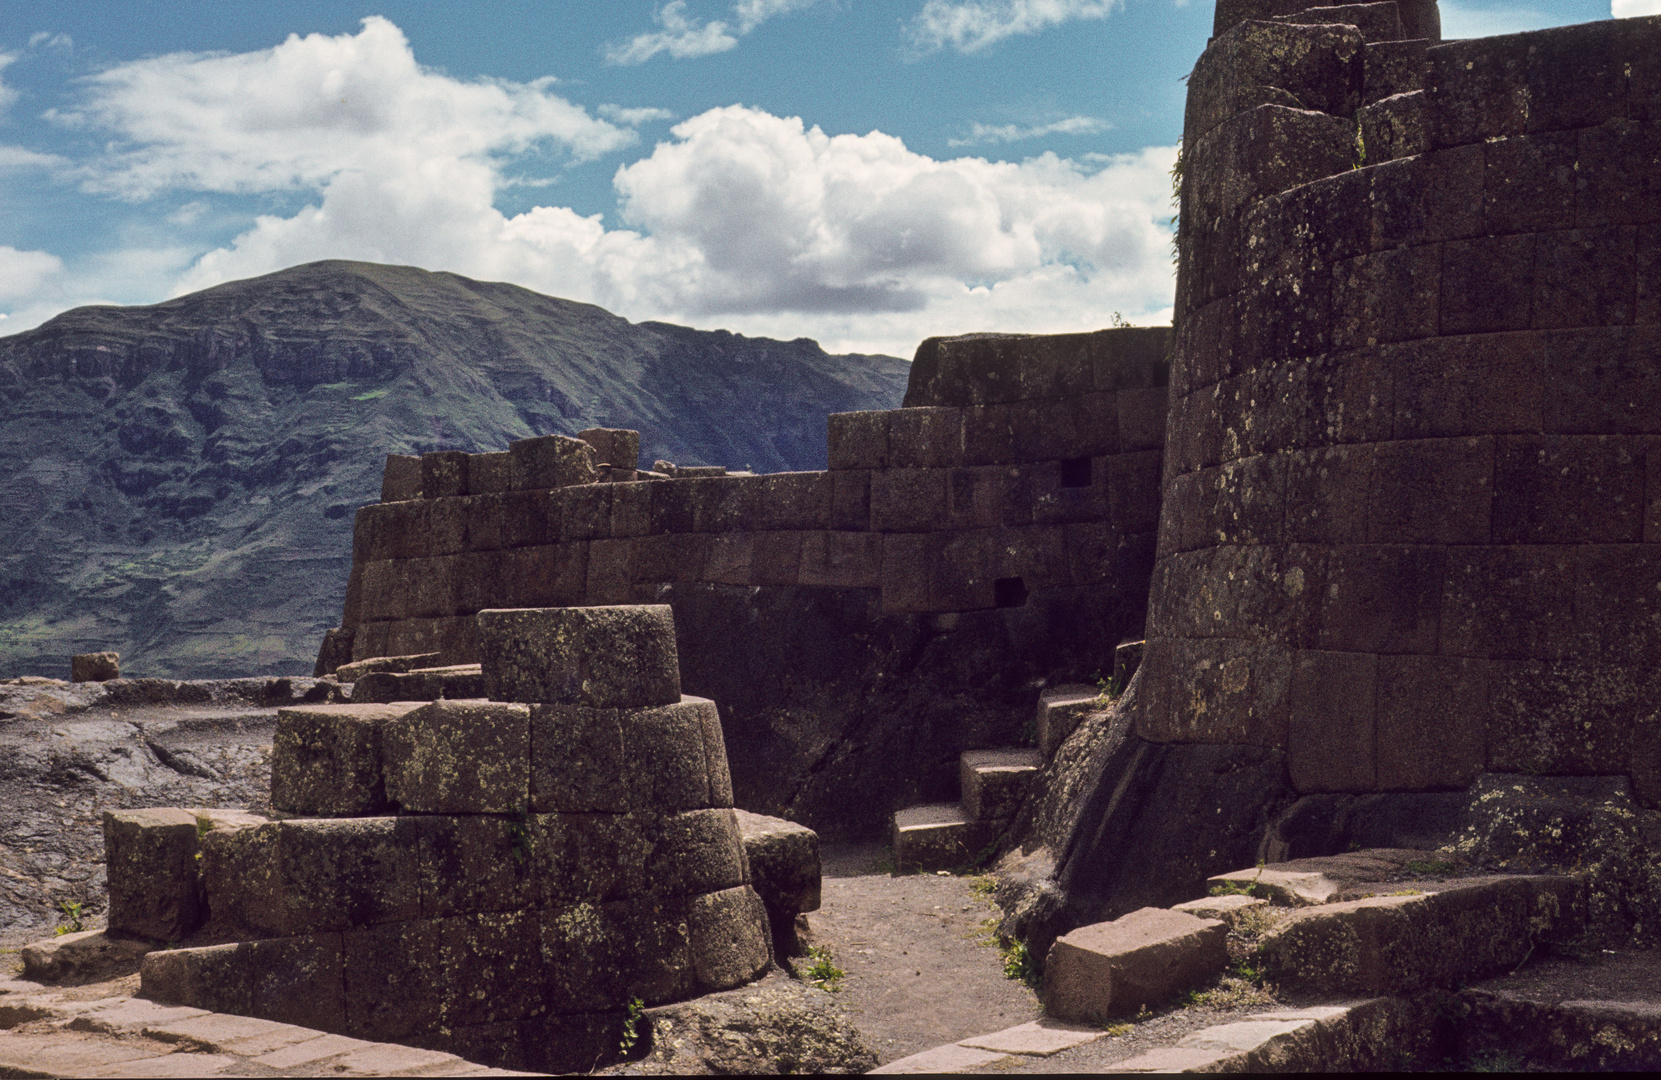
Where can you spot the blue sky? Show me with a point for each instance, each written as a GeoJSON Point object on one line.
{"type": "Point", "coordinates": [862, 173]}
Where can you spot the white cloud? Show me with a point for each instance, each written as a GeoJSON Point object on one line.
{"type": "Point", "coordinates": [760, 224]}
{"type": "Point", "coordinates": [683, 38]}
{"type": "Point", "coordinates": [633, 117]}
{"type": "Point", "coordinates": [23, 274]}
{"type": "Point", "coordinates": [738, 218]}
{"type": "Point", "coordinates": [971, 25]}
{"type": "Point", "coordinates": [15, 157]}
{"type": "Point", "coordinates": [1004, 133]}
{"type": "Point", "coordinates": [680, 38]}
{"type": "Point", "coordinates": [7, 94]}
{"type": "Point", "coordinates": [312, 110]}
{"type": "Point", "coordinates": [1626, 9]}
{"type": "Point", "coordinates": [45, 39]}
{"type": "Point", "coordinates": [1479, 19]}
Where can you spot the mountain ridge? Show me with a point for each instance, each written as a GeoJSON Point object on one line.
{"type": "Point", "coordinates": [177, 480]}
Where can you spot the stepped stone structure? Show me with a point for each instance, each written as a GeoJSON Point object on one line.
{"type": "Point", "coordinates": [1409, 529]}
{"type": "Point", "coordinates": [498, 877]}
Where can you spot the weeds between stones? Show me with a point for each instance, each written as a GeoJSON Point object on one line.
{"type": "Point", "coordinates": [72, 910]}
{"type": "Point", "coordinates": [823, 972]}
{"type": "Point", "coordinates": [631, 1024]}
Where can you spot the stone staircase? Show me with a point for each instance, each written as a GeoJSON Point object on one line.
{"type": "Point", "coordinates": [1381, 960]}
{"type": "Point", "coordinates": [993, 784]}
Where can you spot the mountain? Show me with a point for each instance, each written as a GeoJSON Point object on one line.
{"type": "Point", "coordinates": [178, 481]}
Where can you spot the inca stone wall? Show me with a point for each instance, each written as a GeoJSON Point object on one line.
{"type": "Point", "coordinates": [1020, 464]}
{"type": "Point", "coordinates": [1411, 528]}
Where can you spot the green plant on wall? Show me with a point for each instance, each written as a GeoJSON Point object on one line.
{"type": "Point", "coordinates": [72, 911]}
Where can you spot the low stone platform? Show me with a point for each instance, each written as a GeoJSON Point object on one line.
{"type": "Point", "coordinates": [101, 1030]}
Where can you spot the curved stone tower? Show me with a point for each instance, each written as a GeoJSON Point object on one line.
{"type": "Point", "coordinates": [1411, 524]}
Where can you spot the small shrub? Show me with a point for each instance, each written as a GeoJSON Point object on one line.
{"type": "Point", "coordinates": [1019, 964]}
{"type": "Point", "coordinates": [72, 911]}
{"type": "Point", "coordinates": [1118, 1031]}
{"type": "Point", "coordinates": [631, 1024]}
{"type": "Point", "coordinates": [823, 972]}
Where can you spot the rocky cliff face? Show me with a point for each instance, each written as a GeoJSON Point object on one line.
{"type": "Point", "coordinates": [177, 482]}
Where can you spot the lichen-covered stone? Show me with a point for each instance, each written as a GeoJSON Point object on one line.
{"type": "Point", "coordinates": [606, 657]}
{"type": "Point", "coordinates": [730, 938]}
{"type": "Point", "coordinates": [155, 890]}
{"type": "Point", "coordinates": [326, 759]}
{"type": "Point", "coordinates": [459, 757]}
{"type": "Point", "coordinates": [700, 851]}
{"type": "Point", "coordinates": [784, 862]}
{"type": "Point", "coordinates": [1115, 968]}
{"type": "Point", "coordinates": [551, 461]}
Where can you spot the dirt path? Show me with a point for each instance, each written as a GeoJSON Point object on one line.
{"type": "Point", "coordinates": [921, 968]}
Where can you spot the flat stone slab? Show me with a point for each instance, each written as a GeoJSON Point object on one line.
{"type": "Point", "coordinates": [1438, 935]}
{"type": "Point", "coordinates": [1036, 1038]}
{"type": "Point", "coordinates": [1059, 711]}
{"type": "Point", "coordinates": [1329, 878]}
{"type": "Point", "coordinates": [942, 1059]}
{"type": "Point", "coordinates": [995, 782]}
{"type": "Point", "coordinates": [1114, 968]}
{"type": "Point", "coordinates": [936, 836]}
{"type": "Point", "coordinates": [1225, 908]}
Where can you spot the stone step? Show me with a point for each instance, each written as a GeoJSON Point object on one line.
{"type": "Point", "coordinates": [1422, 935]}
{"type": "Point", "coordinates": [1112, 969]}
{"type": "Point", "coordinates": [1060, 709]}
{"type": "Point", "coordinates": [995, 782]}
{"type": "Point", "coordinates": [1380, 1034]}
{"type": "Point", "coordinates": [938, 836]}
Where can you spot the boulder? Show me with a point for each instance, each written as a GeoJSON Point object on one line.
{"type": "Point", "coordinates": [1115, 968]}
{"type": "Point", "coordinates": [607, 657]}
{"type": "Point", "coordinates": [777, 1026]}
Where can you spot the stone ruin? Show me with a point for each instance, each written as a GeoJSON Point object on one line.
{"type": "Point", "coordinates": [498, 877]}
{"type": "Point", "coordinates": [1385, 504]}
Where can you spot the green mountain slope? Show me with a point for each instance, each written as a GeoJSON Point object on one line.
{"type": "Point", "coordinates": [177, 482]}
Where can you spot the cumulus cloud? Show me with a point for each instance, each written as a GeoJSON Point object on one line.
{"type": "Point", "coordinates": [314, 110]}
{"type": "Point", "coordinates": [24, 274]}
{"type": "Point", "coordinates": [738, 218]}
{"type": "Point", "coordinates": [971, 25]}
{"type": "Point", "coordinates": [683, 37]}
{"type": "Point", "coordinates": [1626, 9]}
{"type": "Point", "coordinates": [1005, 133]}
{"type": "Point", "coordinates": [633, 117]}
{"type": "Point", "coordinates": [762, 224]}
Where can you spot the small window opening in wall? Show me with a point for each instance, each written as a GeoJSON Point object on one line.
{"type": "Point", "coordinates": [1075, 472]}
{"type": "Point", "coordinates": [1009, 592]}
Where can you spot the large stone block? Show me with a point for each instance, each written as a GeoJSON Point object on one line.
{"type": "Point", "coordinates": [335, 874]}
{"type": "Point", "coordinates": [395, 980]}
{"type": "Point", "coordinates": [1263, 63]}
{"type": "Point", "coordinates": [1263, 151]}
{"type": "Point", "coordinates": [295, 980]}
{"type": "Point", "coordinates": [1115, 968]}
{"type": "Point", "coordinates": [1604, 381]}
{"type": "Point", "coordinates": [1529, 183]}
{"type": "Point", "coordinates": [1332, 734]}
{"type": "Point", "coordinates": [551, 461]}
{"type": "Point", "coordinates": [493, 968]}
{"type": "Point", "coordinates": [1397, 944]}
{"type": "Point", "coordinates": [1393, 67]}
{"type": "Point", "coordinates": [326, 759]}
{"type": "Point", "coordinates": [587, 759]}
{"type": "Point", "coordinates": [597, 956]}
{"type": "Point", "coordinates": [444, 474]}
{"type": "Point", "coordinates": [402, 478]}
{"type": "Point", "coordinates": [730, 938]}
{"type": "Point", "coordinates": [155, 889]}
{"type": "Point", "coordinates": [477, 862]}
{"type": "Point", "coordinates": [601, 656]}
{"type": "Point", "coordinates": [1431, 722]}
{"type": "Point", "coordinates": [590, 858]}
{"type": "Point", "coordinates": [489, 473]}
{"type": "Point", "coordinates": [784, 862]}
{"type": "Point", "coordinates": [925, 438]}
{"type": "Point", "coordinates": [1432, 491]}
{"type": "Point", "coordinates": [1380, 598]}
{"type": "Point", "coordinates": [616, 447]}
{"type": "Point", "coordinates": [859, 440]}
{"type": "Point", "coordinates": [1514, 602]}
{"type": "Point", "coordinates": [843, 560]}
{"type": "Point", "coordinates": [696, 852]}
{"type": "Point", "coordinates": [579, 513]}
{"type": "Point", "coordinates": [1476, 384]}
{"type": "Point", "coordinates": [1561, 489]}
{"type": "Point", "coordinates": [459, 757]}
{"type": "Point", "coordinates": [1476, 90]}
{"type": "Point", "coordinates": [1585, 277]}
{"type": "Point", "coordinates": [95, 667]}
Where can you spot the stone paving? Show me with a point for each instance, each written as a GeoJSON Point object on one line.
{"type": "Point", "coordinates": [101, 1030]}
